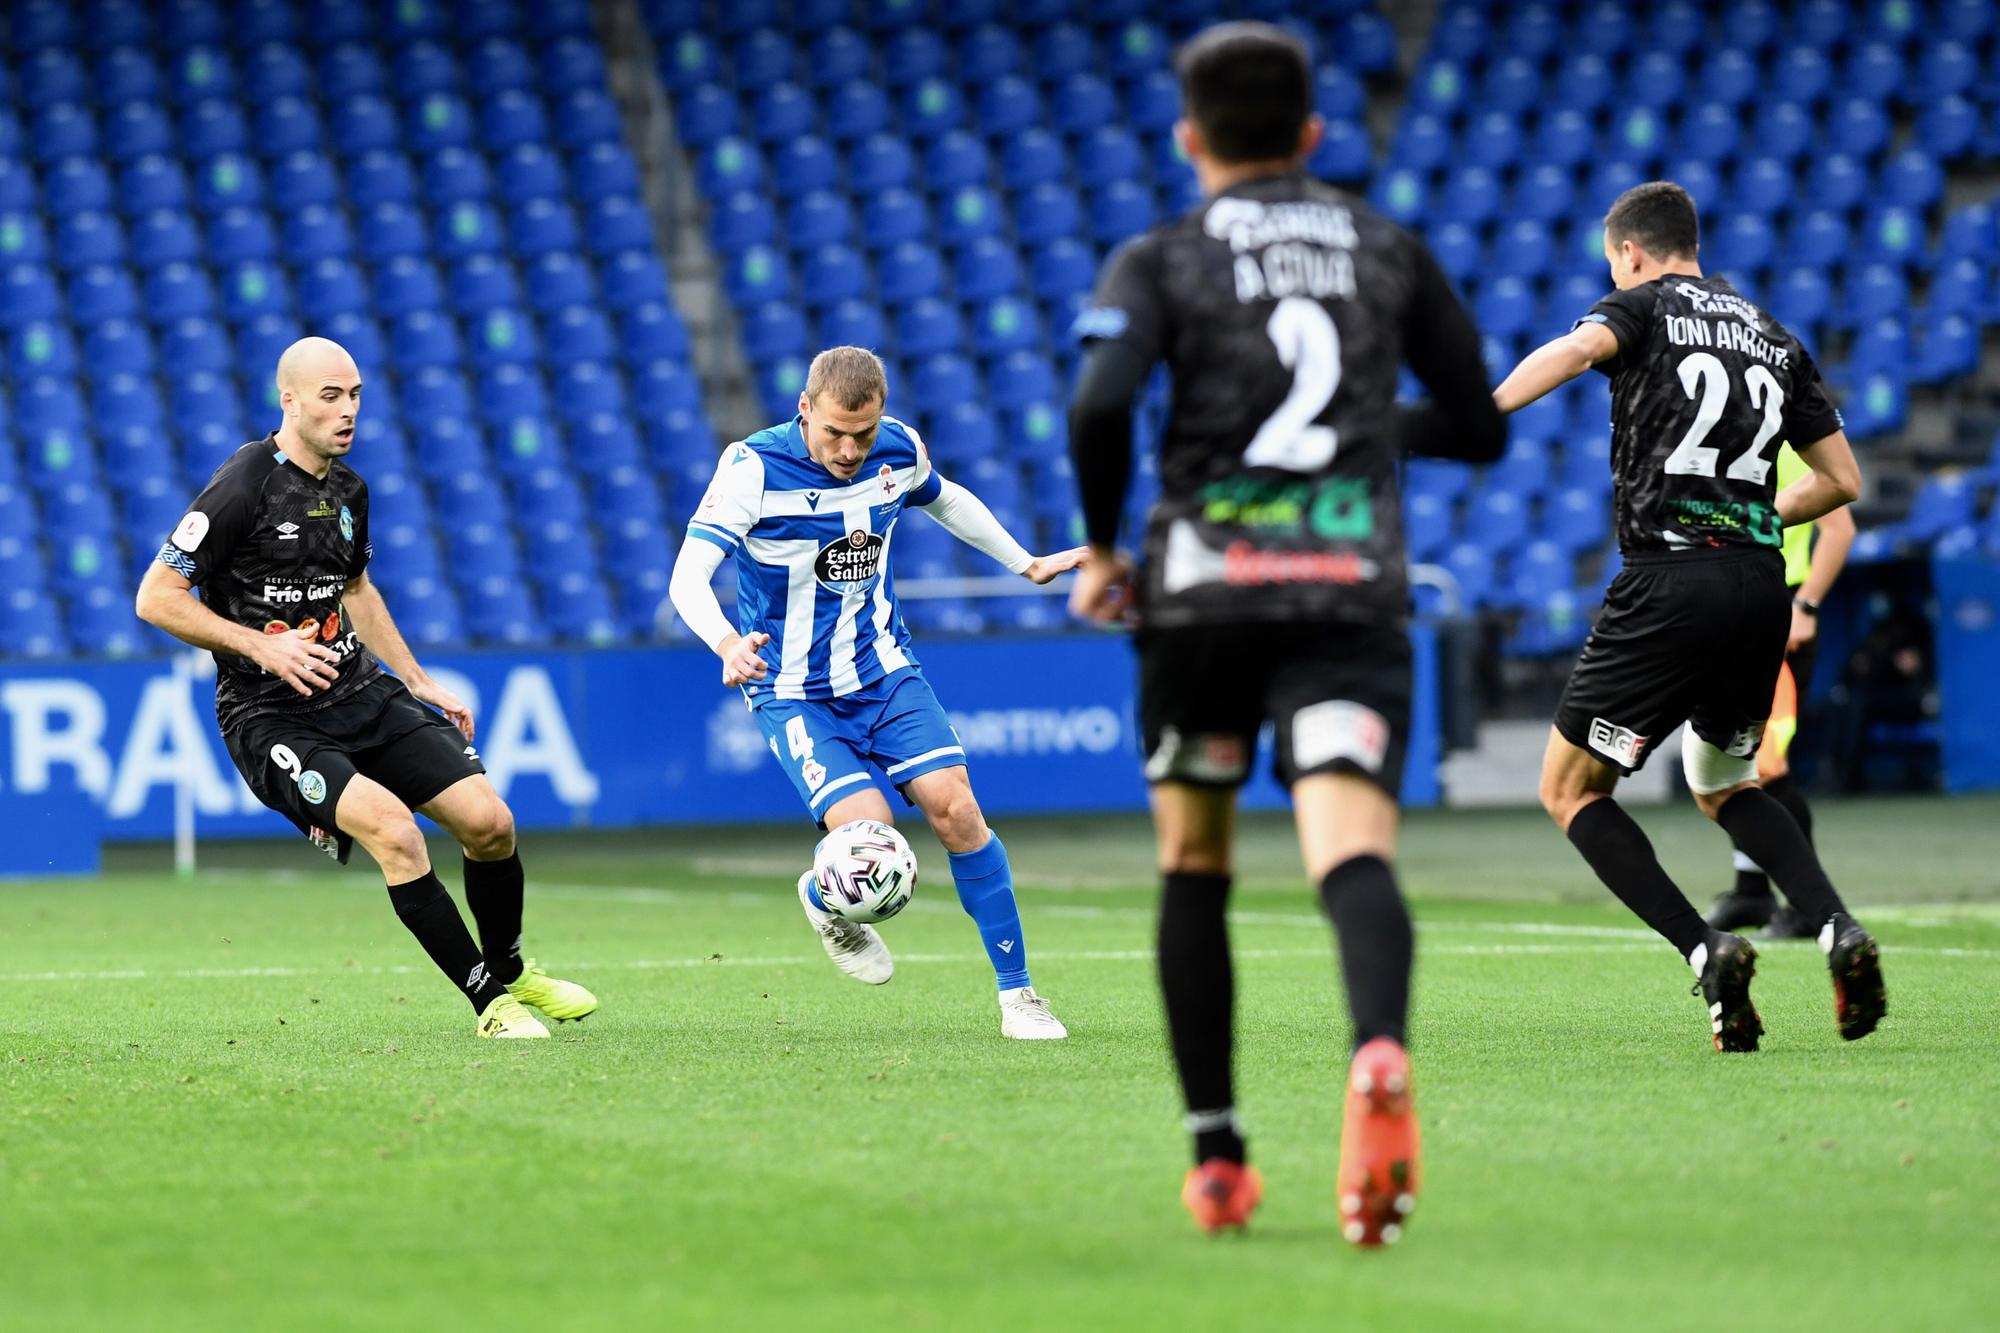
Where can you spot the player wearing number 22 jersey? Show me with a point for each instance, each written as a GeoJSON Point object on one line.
{"type": "Point", "coordinates": [1705, 387]}
{"type": "Point", "coordinates": [809, 511]}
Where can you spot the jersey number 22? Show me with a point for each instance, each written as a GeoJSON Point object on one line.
{"type": "Point", "coordinates": [1704, 373]}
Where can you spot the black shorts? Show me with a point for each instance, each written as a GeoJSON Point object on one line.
{"type": "Point", "coordinates": [1695, 639]}
{"type": "Point", "coordinates": [1338, 696]}
{"type": "Point", "coordinates": [300, 763]}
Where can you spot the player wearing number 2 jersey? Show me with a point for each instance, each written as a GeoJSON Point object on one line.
{"type": "Point", "coordinates": [1273, 585]}
{"type": "Point", "coordinates": [1704, 387]}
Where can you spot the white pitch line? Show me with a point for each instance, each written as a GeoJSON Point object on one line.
{"type": "Point", "coordinates": [786, 960]}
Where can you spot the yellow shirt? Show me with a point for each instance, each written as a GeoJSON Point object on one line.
{"type": "Point", "coordinates": [1797, 548]}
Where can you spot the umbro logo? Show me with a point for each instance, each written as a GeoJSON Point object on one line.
{"type": "Point", "coordinates": [812, 500]}
{"type": "Point", "coordinates": [471, 753]}
{"type": "Point", "coordinates": [288, 532]}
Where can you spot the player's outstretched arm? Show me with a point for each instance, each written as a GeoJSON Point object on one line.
{"type": "Point", "coordinates": [966, 517]}
{"type": "Point", "coordinates": [692, 592]}
{"type": "Point", "coordinates": [165, 599]}
{"type": "Point", "coordinates": [1835, 480]}
{"type": "Point", "coordinates": [1554, 364]}
{"type": "Point", "coordinates": [370, 618]}
{"type": "Point", "coordinates": [1100, 448]}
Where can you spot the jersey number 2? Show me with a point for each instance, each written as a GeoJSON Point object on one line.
{"type": "Point", "coordinates": [1308, 345]}
{"type": "Point", "coordinates": [1704, 373]}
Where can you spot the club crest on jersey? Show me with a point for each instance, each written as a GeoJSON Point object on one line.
{"type": "Point", "coordinates": [346, 524]}
{"type": "Point", "coordinates": [850, 564]}
{"type": "Point", "coordinates": [888, 476]}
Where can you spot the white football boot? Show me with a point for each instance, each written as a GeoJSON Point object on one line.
{"type": "Point", "coordinates": [1025, 1016]}
{"type": "Point", "coordinates": [854, 948]}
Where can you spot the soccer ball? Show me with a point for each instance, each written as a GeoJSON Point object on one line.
{"type": "Point", "coordinates": [864, 871]}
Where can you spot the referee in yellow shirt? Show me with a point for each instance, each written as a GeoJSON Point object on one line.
{"type": "Point", "coordinates": [1811, 566]}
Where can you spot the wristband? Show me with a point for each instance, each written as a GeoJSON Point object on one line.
{"type": "Point", "coordinates": [1811, 608]}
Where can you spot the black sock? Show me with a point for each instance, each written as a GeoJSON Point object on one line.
{"type": "Point", "coordinates": [1755, 883]}
{"type": "Point", "coordinates": [433, 918]}
{"type": "Point", "coordinates": [1786, 793]}
{"type": "Point", "coordinates": [493, 890]}
{"type": "Point", "coordinates": [1198, 985]}
{"type": "Point", "coordinates": [1377, 945]}
{"type": "Point", "coordinates": [1768, 835]}
{"type": "Point", "coordinates": [1621, 854]}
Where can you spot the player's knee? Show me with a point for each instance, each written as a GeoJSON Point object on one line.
{"type": "Point", "coordinates": [391, 836]}
{"type": "Point", "coordinates": [956, 818]}
{"type": "Point", "coordinates": [489, 834]}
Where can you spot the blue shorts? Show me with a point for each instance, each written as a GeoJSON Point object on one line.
{"type": "Point", "coordinates": [826, 746]}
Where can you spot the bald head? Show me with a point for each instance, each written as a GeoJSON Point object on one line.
{"type": "Point", "coordinates": [319, 387]}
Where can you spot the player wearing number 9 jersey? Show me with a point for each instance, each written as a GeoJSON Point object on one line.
{"type": "Point", "coordinates": [1274, 585]}
{"type": "Point", "coordinates": [1705, 386]}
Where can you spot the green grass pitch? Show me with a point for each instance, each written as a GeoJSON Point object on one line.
{"type": "Point", "coordinates": [247, 1102]}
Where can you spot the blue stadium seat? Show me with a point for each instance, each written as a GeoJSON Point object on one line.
{"type": "Point", "coordinates": [650, 330]}
{"type": "Point", "coordinates": [1857, 127]}
{"type": "Point", "coordinates": [1045, 212]}
{"type": "Point", "coordinates": [1948, 128]}
{"type": "Point", "coordinates": [926, 327]}
{"type": "Point", "coordinates": [405, 284]}
{"type": "Point", "coordinates": [100, 293]}
{"type": "Point", "coordinates": [784, 111]}
{"type": "Point", "coordinates": [536, 227]}
{"type": "Point", "coordinates": [1081, 102]}
{"type": "Point", "coordinates": [495, 64]}
{"type": "Point", "coordinates": [1871, 292]}
{"type": "Point", "coordinates": [421, 339]}
{"type": "Point", "coordinates": [532, 171]}
{"type": "Point", "coordinates": [1947, 66]}
{"type": "Point", "coordinates": [1005, 324]}
{"type": "Point", "coordinates": [1893, 235]}
{"type": "Point", "coordinates": [1948, 348]}
{"type": "Point", "coordinates": [364, 121]}
{"type": "Point", "coordinates": [1120, 210]}
{"type": "Point", "coordinates": [1835, 180]}
{"type": "Point", "coordinates": [1032, 157]}
{"type": "Point", "coordinates": [832, 273]}
{"type": "Point", "coordinates": [1761, 186]}
{"type": "Point", "coordinates": [482, 283]}
{"type": "Point", "coordinates": [380, 176]}
{"type": "Point", "coordinates": [603, 170]}
{"type": "Point", "coordinates": [1456, 247]}
{"type": "Point", "coordinates": [1802, 299]}
{"type": "Point", "coordinates": [1439, 87]}
{"type": "Point", "coordinates": [839, 57]}
{"type": "Point", "coordinates": [986, 268]}
{"type": "Point", "coordinates": [1008, 105]}
{"type": "Point", "coordinates": [1542, 194]}
{"type": "Point", "coordinates": [852, 324]}
{"type": "Point", "coordinates": [572, 62]}
{"type": "Point", "coordinates": [579, 332]}
{"type": "Point", "coordinates": [1961, 287]}
{"type": "Point", "coordinates": [423, 69]}
{"type": "Point", "coordinates": [939, 381]}
{"type": "Point", "coordinates": [586, 389]}
{"type": "Point", "coordinates": [73, 185]}
{"type": "Point", "coordinates": [210, 128]}
{"type": "Point", "coordinates": [632, 279]}
{"type": "Point", "coordinates": [558, 280]}
{"type": "Point", "coordinates": [1506, 307]}
{"type": "Point", "coordinates": [1912, 179]}
{"type": "Point", "coordinates": [879, 162]}
{"type": "Point", "coordinates": [63, 129]}
{"type": "Point", "coordinates": [456, 175]}
{"type": "Point", "coordinates": [174, 291]}
{"type": "Point", "coordinates": [1062, 268]}
{"type": "Point", "coordinates": [806, 163]}
{"type": "Point", "coordinates": [1743, 243]}
{"type": "Point", "coordinates": [316, 232]}
{"type": "Point", "coordinates": [1106, 154]}
{"type": "Point", "coordinates": [1061, 50]}
{"type": "Point", "coordinates": [955, 160]}
{"type": "Point", "coordinates": [194, 345]}
{"type": "Point", "coordinates": [438, 120]}
{"type": "Point", "coordinates": [1022, 379]}
{"type": "Point", "coordinates": [472, 227]}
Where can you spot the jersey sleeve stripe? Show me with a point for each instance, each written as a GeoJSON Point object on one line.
{"type": "Point", "coordinates": [177, 560]}
{"type": "Point", "coordinates": [727, 540]}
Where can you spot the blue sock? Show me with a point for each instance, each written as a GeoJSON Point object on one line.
{"type": "Point", "coordinates": [986, 892]}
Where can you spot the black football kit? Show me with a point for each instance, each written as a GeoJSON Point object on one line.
{"type": "Point", "coordinates": [1705, 388]}
{"type": "Point", "coordinates": [273, 547]}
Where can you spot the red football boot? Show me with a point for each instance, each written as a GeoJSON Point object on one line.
{"type": "Point", "coordinates": [1221, 1193]}
{"type": "Point", "coordinates": [1378, 1146]}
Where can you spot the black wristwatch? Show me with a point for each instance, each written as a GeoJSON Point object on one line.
{"type": "Point", "coordinates": [1811, 608]}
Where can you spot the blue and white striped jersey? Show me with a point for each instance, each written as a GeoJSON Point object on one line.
{"type": "Point", "coordinates": [812, 555]}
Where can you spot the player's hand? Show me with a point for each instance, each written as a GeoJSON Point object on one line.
{"type": "Point", "coordinates": [1805, 629]}
{"type": "Point", "coordinates": [1045, 567]}
{"type": "Point", "coordinates": [740, 662]}
{"type": "Point", "coordinates": [1103, 591]}
{"type": "Point", "coordinates": [298, 660]}
{"type": "Point", "coordinates": [454, 708]}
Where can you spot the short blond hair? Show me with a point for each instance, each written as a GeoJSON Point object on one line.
{"type": "Point", "coordinates": [853, 375]}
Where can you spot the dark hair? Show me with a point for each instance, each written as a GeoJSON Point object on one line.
{"type": "Point", "coordinates": [1248, 88]}
{"type": "Point", "coordinates": [1658, 217]}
